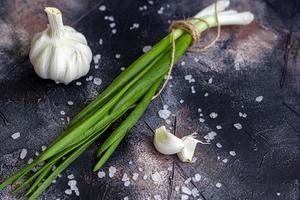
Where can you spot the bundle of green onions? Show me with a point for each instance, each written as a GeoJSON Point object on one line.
{"type": "Point", "coordinates": [132, 91]}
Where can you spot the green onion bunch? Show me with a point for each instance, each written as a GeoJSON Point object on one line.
{"type": "Point", "coordinates": [130, 93]}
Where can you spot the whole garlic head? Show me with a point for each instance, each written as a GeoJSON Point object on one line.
{"type": "Point", "coordinates": [60, 52]}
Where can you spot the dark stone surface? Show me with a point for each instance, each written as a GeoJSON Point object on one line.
{"type": "Point", "coordinates": [261, 59]}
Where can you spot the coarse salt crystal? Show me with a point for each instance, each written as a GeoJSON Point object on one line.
{"type": "Point", "coordinates": [78, 83]}
{"type": "Point", "coordinates": [201, 120]}
{"type": "Point", "coordinates": [219, 127]}
{"type": "Point", "coordinates": [196, 178]}
{"type": "Point", "coordinates": [210, 136]}
{"type": "Point", "coordinates": [213, 115]}
{"type": "Point", "coordinates": [71, 176]}
{"type": "Point", "coordinates": [23, 153]}
{"type": "Point", "coordinates": [244, 115]}
{"type": "Point", "coordinates": [206, 94]}
{"type": "Point", "coordinates": [102, 8]}
{"type": "Point", "coordinates": [97, 81]}
{"type": "Point", "coordinates": [164, 114]}
{"type": "Point", "coordinates": [126, 183]}
{"type": "Point", "coordinates": [195, 192]}
{"type": "Point", "coordinates": [210, 81]}
{"type": "Point", "coordinates": [118, 56]}
{"type": "Point", "coordinates": [259, 98]}
{"type": "Point", "coordinates": [62, 112]}
{"type": "Point", "coordinates": [193, 90]}
{"type": "Point", "coordinates": [146, 48]}
{"type": "Point", "coordinates": [112, 170]}
{"type": "Point", "coordinates": [15, 135]}
{"type": "Point", "coordinates": [156, 177]}
{"type": "Point", "coordinates": [96, 58]}
{"type": "Point", "coordinates": [219, 145]}
{"type": "Point", "coordinates": [186, 190]}
{"type": "Point", "coordinates": [145, 176]}
{"type": "Point", "coordinates": [225, 160]}
{"type": "Point", "coordinates": [218, 185]}
{"type": "Point", "coordinates": [101, 174]}
{"type": "Point", "coordinates": [238, 126]}
{"type": "Point", "coordinates": [68, 191]}
{"type": "Point", "coordinates": [232, 153]}
{"type": "Point", "coordinates": [135, 176]}
{"type": "Point", "coordinates": [100, 41]}
{"type": "Point", "coordinates": [187, 181]}
{"type": "Point", "coordinates": [184, 197]}
{"type": "Point", "coordinates": [125, 177]}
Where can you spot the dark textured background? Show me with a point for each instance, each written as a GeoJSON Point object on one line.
{"type": "Point", "coordinates": [260, 59]}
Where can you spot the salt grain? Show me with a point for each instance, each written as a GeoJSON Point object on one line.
{"type": "Point", "coordinates": [186, 190]}
{"type": "Point", "coordinates": [126, 183]}
{"type": "Point", "coordinates": [196, 178]}
{"type": "Point", "coordinates": [101, 174]}
{"type": "Point", "coordinates": [219, 127]}
{"type": "Point", "coordinates": [187, 181]}
{"type": "Point", "coordinates": [23, 153]}
{"type": "Point", "coordinates": [219, 145]}
{"type": "Point", "coordinates": [193, 90]}
{"type": "Point", "coordinates": [218, 185]}
{"type": "Point", "coordinates": [201, 120]}
{"type": "Point", "coordinates": [157, 197]}
{"type": "Point", "coordinates": [15, 135]}
{"type": "Point", "coordinates": [164, 113]}
{"type": "Point", "coordinates": [100, 41]}
{"type": "Point", "coordinates": [177, 188]}
{"type": "Point", "coordinates": [210, 81]}
{"type": "Point", "coordinates": [195, 192]}
{"type": "Point", "coordinates": [125, 198]}
{"type": "Point", "coordinates": [156, 177]}
{"type": "Point", "coordinates": [70, 103]}
{"type": "Point", "coordinates": [118, 56]}
{"type": "Point", "coordinates": [184, 197]}
{"type": "Point", "coordinates": [112, 25]}
{"type": "Point", "coordinates": [145, 176]}
{"type": "Point", "coordinates": [238, 126]}
{"type": "Point", "coordinates": [135, 176]}
{"type": "Point", "coordinates": [68, 191]}
{"type": "Point", "coordinates": [210, 136]}
{"type": "Point", "coordinates": [62, 112]}
{"type": "Point", "coordinates": [232, 153]}
{"type": "Point", "coordinates": [97, 81]}
{"type": "Point", "coordinates": [225, 160]}
{"type": "Point", "coordinates": [161, 10]}
{"type": "Point", "coordinates": [102, 8]}
{"type": "Point", "coordinates": [146, 48]}
{"type": "Point", "coordinates": [112, 170]}
{"type": "Point", "coordinates": [244, 115]}
{"type": "Point", "coordinates": [71, 176]}
{"type": "Point", "coordinates": [96, 58]}
{"type": "Point", "coordinates": [213, 115]}
{"type": "Point", "coordinates": [114, 31]}
{"type": "Point", "coordinates": [78, 83]}
{"type": "Point", "coordinates": [206, 94]}
{"type": "Point", "coordinates": [259, 98]}
{"type": "Point", "coordinates": [181, 101]}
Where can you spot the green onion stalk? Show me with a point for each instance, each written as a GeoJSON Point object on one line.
{"type": "Point", "coordinates": [130, 93]}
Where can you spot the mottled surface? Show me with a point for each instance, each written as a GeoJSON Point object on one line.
{"type": "Point", "coordinates": [261, 59]}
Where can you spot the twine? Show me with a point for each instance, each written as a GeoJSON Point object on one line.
{"type": "Point", "coordinates": [189, 27]}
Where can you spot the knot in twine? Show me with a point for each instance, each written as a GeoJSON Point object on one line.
{"type": "Point", "coordinates": [189, 27]}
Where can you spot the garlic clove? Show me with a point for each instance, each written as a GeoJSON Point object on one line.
{"type": "Point", "coordinates": [165, 142]}
{"type": "Point", "coordinates": [190, 143]}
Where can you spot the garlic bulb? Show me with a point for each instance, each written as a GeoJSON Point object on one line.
{"type": "Point", "coordinates": [60, 52]}
{"type": "Point", "coordinates": [187, 153]}
{"type": "Point", "coordinates": [165, 142]}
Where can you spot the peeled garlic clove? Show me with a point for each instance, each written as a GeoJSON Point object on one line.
{"type": "Point", "coordinates": [165, 142]}
{"type": "Point", "coordinates": [60, 52]}
{"type": "Point", "coordinates": [187, 153]}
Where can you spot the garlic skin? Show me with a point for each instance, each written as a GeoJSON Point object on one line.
{"type": "Point", "coordinates": [167, 143]}
{"type": "Point", "coordinates": [187, 153]}
{"type": "Point", "coordinates": [60, 52]}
